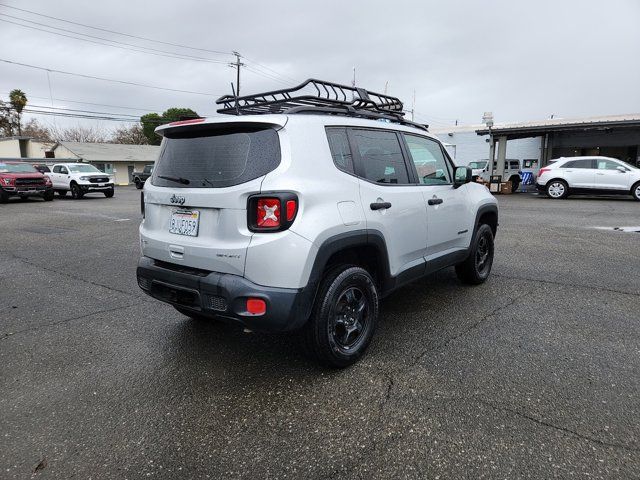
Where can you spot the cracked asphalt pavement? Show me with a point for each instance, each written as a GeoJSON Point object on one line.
{"type": "Point", "coordinates": [535, 374]}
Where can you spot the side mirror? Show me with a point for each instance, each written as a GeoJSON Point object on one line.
{"type": "Point", "coordinates": [461, 176]}
{"type": "Point", "coordinates": [621, 169]}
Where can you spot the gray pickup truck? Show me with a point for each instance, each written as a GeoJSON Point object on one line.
{"type": "Point", "coordinates": [140, 177]}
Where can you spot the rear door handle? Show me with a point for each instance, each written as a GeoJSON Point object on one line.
{"type": "Point", "coordinates": [435, 201]}
{"type": "Point", "coordinates": [380, 205]}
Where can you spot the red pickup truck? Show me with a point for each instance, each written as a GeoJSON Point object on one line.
{"type": "Point", "coordinates": [22, 180]}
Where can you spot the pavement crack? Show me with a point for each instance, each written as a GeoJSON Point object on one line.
{"type": "Point", "coordinates": [75, 277]}
{"type": "Point", "coordinates": [545, 423]}
{"type": "Point", "coordinates": [472, 327]}
{"type": "Point", "coordinates": [565, 284]}
{"type": "Point", "coordinates": [53, 324]}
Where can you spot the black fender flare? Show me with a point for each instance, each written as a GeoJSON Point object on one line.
{"type": "Point", "coordinates": [489, 208]}
{"type": "Point", "coordinates": [333, 245]}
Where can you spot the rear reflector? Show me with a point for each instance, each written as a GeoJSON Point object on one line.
{"type": "Point", "coordinates": [292, 205]}
{"type": "Point", "coordinates": [256, 306]}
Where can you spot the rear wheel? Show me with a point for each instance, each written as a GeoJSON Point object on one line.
{"type": "Point", "coordinates": [477, 267]}
{"type": "Point", "coordinates": [635, 191]}
{"type": "Point", "coordinates": [76, 192]}
{"type": "Point", "coordinates": [557, 189]}
{"type": "Point", "coordinates": [344, 317]}
{"type": "Point", "coordinates": [515, 183]}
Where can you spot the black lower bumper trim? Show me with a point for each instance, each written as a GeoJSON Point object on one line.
{"type": "Point", "coordinates": [223, 294]}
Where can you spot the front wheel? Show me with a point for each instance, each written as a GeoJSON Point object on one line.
{"type": "Point", "coordinates": [635, 191]}
{"type": "Point", "coordinates": [344, 317]}
{"type": "Point", "coordinates": [139, 184]}
{"type": "Point", "coordinates": [76, 192]}
{"type": "Point", "coordinates": [477, 267]}
{"type": "Point", "coordinates": [109, 193]}
{"type": "Point", "coordinates": [514, 185]}
{"type": "Point", "coordinates": [4, 197]}
{"type": "Point", "coordinates": [557, 189]}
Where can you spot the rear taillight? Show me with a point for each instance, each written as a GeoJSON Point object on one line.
{"type": "Point", "coordinates": [271, 212]}
{"type": "Point", "coordinates": [543, 170]}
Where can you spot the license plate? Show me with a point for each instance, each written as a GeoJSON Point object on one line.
{"type": "Point", "coordinates": [185, 222]}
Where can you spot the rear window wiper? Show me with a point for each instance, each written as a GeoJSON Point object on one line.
{"type": "Point", "coordinates": [181, 180]}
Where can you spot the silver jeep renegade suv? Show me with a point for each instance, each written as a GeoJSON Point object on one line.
{"type": "Point", "coordinates": [306, 218]}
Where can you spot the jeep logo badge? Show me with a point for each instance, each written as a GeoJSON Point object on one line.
{"type": "Point", "coordinates": [177, 199]}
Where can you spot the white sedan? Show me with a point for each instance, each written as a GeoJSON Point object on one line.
{"type": "Point", "coordinates": [589, 176]}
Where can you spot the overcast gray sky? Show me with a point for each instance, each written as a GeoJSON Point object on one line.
{"type": "Point", "coordinates": [521, 60]}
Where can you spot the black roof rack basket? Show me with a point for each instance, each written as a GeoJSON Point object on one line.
{"type": "Point", "coordinates": [318, 96]}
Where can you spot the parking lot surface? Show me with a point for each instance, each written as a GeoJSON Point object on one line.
{"type": "Point", "coordinates": [534, 374]}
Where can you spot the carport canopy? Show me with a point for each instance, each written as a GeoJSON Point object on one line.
{"type": "Point", "coordinates": [590, 132]}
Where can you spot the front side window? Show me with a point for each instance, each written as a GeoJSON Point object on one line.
{"type": "Point", "coordinates": [340, 150]}
{"type": "Point", "coordinates": [607, 165]}
{"type": "Point", "coordinates": [429, 160]}
{"type": "Point", "coordinates": [381, 156]}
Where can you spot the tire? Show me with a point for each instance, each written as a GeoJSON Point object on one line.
{"type": "Point", "coordinates": [4, 197]}
{"type": "Point", "coordinates": [109, 193]}
{"type": "Point", "coordinates": [343, 318]}
{"type": "Point", "coordinates": [138, 183]}
{"type": "Point", "coordinates": [48, 196]}
{"type": "Point", "coordinates": [557, 189]}
{"type": "Point", "coordinates": [194, 315]}
{"type": "Point", "coordinates": [62, 193]}
{"type": "Point", "coordinates": [514, 185]}
{"type": "Point", "coordinates": [76, 193]}
{"type": "Point", "coordinates": [635, 191]}
{"type": "Point", "coordinates": [477, 267]}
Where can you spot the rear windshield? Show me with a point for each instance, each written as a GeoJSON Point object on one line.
{"type": "Point", "coordinates": [211, 157]}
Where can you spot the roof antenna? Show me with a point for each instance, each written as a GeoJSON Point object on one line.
{"type": "Point", "coordinates": [236, 97]}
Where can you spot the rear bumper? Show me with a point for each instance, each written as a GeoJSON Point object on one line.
{"type": "Point", "coordinates": [541, 188]}
{"type": "Point", "coordinates": [224, 295]}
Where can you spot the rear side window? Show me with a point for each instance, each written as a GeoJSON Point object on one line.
{"type": "Point", "coordinates": [213, 157]}
{"type": "Point", "coordinates": [340, 150]}
{"type": "Point", "coordinates": [578, 164]}
{"type": "Point", "coordinates": [381, 156]}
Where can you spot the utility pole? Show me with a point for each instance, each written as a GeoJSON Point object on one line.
{"type": "Point", "coordinates": [237, 64]}
{"type": "Point", "coordinates": [386, 85]}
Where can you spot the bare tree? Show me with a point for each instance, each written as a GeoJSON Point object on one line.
{"type": "Point", "coordinates": [129, 135]}
{"type": "Point", "coordinates": [80, 133]}
{"type": "Point", "coordinates": [37, 131]}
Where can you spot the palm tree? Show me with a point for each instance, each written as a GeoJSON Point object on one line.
{"type": "Point", "coordinates": [18, 100]}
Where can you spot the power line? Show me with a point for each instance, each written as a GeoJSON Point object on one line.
{"type": "Point", "coordinates": [274, 72]}
{"type": "Point", "coordinates": [108, 79]}
{"type": "Point", "coordinates": [217, 52]}
{"type": "Point", "coordinates": [122, 45]}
